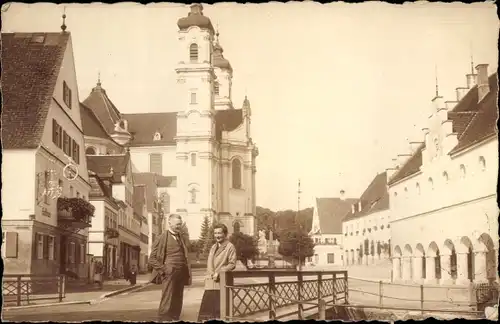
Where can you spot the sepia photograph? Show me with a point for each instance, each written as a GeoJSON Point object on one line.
{"type": "Point", "coordinates": [249, 162]}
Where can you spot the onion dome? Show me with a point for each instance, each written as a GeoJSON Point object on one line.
{"type": "Point", "coordinates": [218, 58]}
{"type": "Point", "coordinates": [195, 18]}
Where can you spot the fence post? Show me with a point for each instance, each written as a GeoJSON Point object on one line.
{"type": "Point", "coordinates": [272, 291]}
{"type": "Point", "coordinates": [19, 290]}
{"type": "Point", "coordinates": [322, 310]}
{"type": "Point", "coordinates": [380, 293]}
{"type": "Point", "coordinates": [223, 295]}
{"type": "Point", "coordinates": [320, 285]}
{"type": "Point", "coordinates": [422, 298]}
{"type": "Point", "coordinates": [299, 295]}
{"type": "Point", "coordinates": [334, 288]}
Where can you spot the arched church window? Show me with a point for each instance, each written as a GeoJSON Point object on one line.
{"type": "Point", "coordinates": [236, 170]}
{"type": "Point", "coordinates": [462, 171]}
{"type": "Point", "coordinates": [90, 150]}
{"type": "Point", "coordinates": [216, 88]}
{"type": "Point", "coordinates": [193, 53]}
{"type": "Point", "coordinates": [482, 163]}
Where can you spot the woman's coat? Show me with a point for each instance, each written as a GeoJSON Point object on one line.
{"type": "Point", "coordinates": [220, 259]}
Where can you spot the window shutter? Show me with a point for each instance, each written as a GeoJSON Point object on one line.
{"type": "Point", "coordinates": [34, 247]}
{"type": "Point", "coordinates": [59, 137]}
{"type": "Point", "coordinates": [54, 131]}
{"type": "Point", "coordinates": [11, 245]}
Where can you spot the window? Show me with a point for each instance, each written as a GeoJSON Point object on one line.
{"type": "Point", "coordinates": [431, 183]}
{"type": "Point", "coordinates": [82, 253]}
{"type": "Point", "coordinates": [51, 245]}
{"type": "Point", "coordinates": [236, 173]}
{"type": "Point", "coordinates": [78, 194]}
{"type": "Point", "coordinates": [445, 177]}
{"type": "Point", "coordinates": [76, 152]}
{"type": "Point", "coordinates": [66, 143]}
{"type": "Point", "coordinates": [72, 252]}
{"type": "Point", "coordinates": [331, 257]}
{"type": "Point", "coordinates": [90, 151]}
{"type": "Point", "coordinates": [462, 171]}
{"type": "Point", "coordinates": [67, 94]}
{"type": "Point", "coordinates": [193, 159]}
{"type": "Point", "coordinates": [39, 246]}
{"type": "Point", "coordinates": [157, 136]}
{"type": "Point", "coordinates": [236, 227]}
{"type": "Point", "coordinates": [482, 163]}
{"type": "Point", "coordinates": [193, 98]}
{"type": "Point", "coordinates": [155, 163]}
{"type": "Point", "coordinates": [216, 88]}
{"type": "Point", "coordinates": [334, 241]}
{"type": "Point", "coordinates": [193, 53]}
{"type": "Point", "coordinates": [56, 133]}
{"type": "Point", "coordinates": [418, 188]}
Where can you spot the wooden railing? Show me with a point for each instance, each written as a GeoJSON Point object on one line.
{"type": "Point", "coordinates": [26, 288]}
{"type": "Point", "coordinates": [276, 294]}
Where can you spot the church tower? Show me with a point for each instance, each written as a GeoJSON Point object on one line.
{"type": "Point", "coordinates": [195, 120]}
{"type": "Point", "coordinates": [224, 81]}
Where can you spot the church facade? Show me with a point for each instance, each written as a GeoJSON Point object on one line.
{"type": "Point", "coordinates": [203, 151]}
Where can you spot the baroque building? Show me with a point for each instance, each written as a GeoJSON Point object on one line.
{"type": "Point", "coordinates": [203, 150]}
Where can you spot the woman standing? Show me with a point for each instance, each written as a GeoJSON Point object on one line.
{"type": "Point", "coordinates": [222, 257]}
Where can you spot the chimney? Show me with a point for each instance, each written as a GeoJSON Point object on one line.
{"type": "Point", "coordinates": [461, 92]}
{"type": "Point", "coordinates": [359, 205]}
{"type": "Point", "coordinates": [414, 146]}
{"type": "Point", "coordinates": [342, 194]}
{"type": "Point", "coordinates": [483, 86]}
{"type": "Point", "coordinates": [471, 80]}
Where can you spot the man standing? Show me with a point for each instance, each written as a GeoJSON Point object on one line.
{"type": "Point", "coordinates": [169, 260]}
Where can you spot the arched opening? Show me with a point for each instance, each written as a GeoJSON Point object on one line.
{"type": "Point", "coordinates": [236, 173]}
{"type": "Point", "coordinates": [445, 177]}
{"type": "Point", "coordinates": [482, 163]}
{"type": "Point", "coordinates": [193, 53]}
{"type": "Point", "coordinates": [450, 247]}
{"type": "Point", "coordinates": [486, 245]}
{"type": "Point", "coordinates": [466, 248]}
{"type": "Point", "coordinates": [90, 151]}
{"type": "Point", "coordinates": [433, 267]}
{"type": "Point", "coordinates": [396, 266]}
{"type": "Point", "coordinates": [408, 262]}
{"type": "Point", "coordinates": [236, 227]}
{"type": "Point", "coordinates": [420, 252]}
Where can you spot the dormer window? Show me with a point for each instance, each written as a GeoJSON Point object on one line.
{"type": "Point", "coordinates": [38, 39]}
{"type": "Point", "coordinates": [157, 136]}
{"type": "Point", "coordinates": [66, 94]}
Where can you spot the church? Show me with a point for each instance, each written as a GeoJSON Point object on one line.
{"type": "Point", "coordinates": [203, 152]}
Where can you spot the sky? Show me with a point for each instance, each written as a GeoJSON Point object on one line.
{"type": "Point", "coordinates": [337, 90]}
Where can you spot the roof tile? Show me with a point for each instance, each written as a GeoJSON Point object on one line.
{"type": "Point", "coordinates": [331, 212]}
{"type": "Point", "coordinates": [374, 199]}
{"type": "Point", "coordinates": [29, 74]}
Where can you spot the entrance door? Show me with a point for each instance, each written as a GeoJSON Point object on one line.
{"type": "Point", "coordinates": [62, 254]}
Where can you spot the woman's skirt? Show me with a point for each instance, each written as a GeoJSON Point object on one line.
{"type": "Point", "coordinates": [210, 306]}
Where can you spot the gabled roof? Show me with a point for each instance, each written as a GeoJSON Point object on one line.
{"type": "Point", "coordinates": [103, 108]}
{"type": "Point", "coordinates": [30, 67]}
{"type": "Point", "coordinates": [102, 165]}
{"type": "Point", "coordinates": [331, 212]}
{"type": "Point", "coordinates": [91, 125]}
{"type": "Point", "coordinates": [374, 199]}
{"type": "Point", "coordinates": [149, 180]}
{"type": "Point", "coordinates": [473, 122]}
{"type": "Point", "coordinates": [227, 120]}
{"type": "Point", "coordinates": [143, 127]}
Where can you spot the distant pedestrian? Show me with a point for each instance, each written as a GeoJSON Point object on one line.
{"type": "Point", "coordinates": [133, 274]}
{"type": "Point", "coordinates": [222, 257]}
{"type": "Point", "coordinates": [169, 260]}
{"type": "Point", "coordinates": [98, 272]}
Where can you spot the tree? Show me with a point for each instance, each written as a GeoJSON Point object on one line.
{"type": "Point", "coordinates": [205, 228]}
{"type": "Point", "coordinates": [246, 247]}
{"type": "Point", "coordinates": [372, 249]}
{"type": "Point", "coordinates": [209, 241]}
{"type": "Point", "coordinates": [295, 243]}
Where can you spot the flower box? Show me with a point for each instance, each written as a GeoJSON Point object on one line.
{"type": "Point", "coordinates": [75, 210]}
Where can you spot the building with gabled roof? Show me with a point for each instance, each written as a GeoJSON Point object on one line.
{"type": "Point", "coordinates": [327, 229]}
{"type": "Point", "coordinates": [366, 227]}
{"type": "Point", "coordinates": [41, 128]}
{"type": "Point", "coordinates": [444, 210]}
{"type": "Point", "coordinates": [204, 148]}
{"type": "Point", "coordinates": [116, 170]}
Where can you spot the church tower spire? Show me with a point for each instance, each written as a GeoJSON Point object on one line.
{"type": "Point", "coordinates": [224, 72]}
